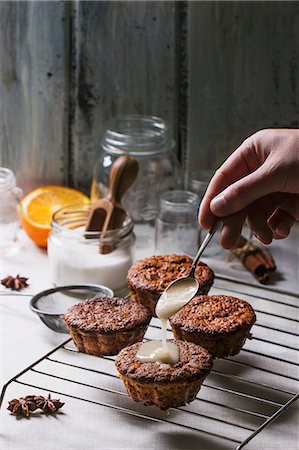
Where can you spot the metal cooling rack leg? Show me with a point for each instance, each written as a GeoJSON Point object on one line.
{"type": "Point", "coordinates": [267, 422]}
{"type": "Point", "coordinates": [28, 368]}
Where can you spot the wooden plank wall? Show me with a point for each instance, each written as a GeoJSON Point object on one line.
{"type": "Point", "coordinates": [34, 67]}
{"type": "Point", "coordinates": [66, 68]}
{"type": "Point", "coordinates": [216, 71]}
{"type": "Point", "coordinates": [124, 63]}
{"type": "Point", "coordinates": [243, 74]}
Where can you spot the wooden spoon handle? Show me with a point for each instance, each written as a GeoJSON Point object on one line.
{"type": "Point", "coordinates": [122, 175]}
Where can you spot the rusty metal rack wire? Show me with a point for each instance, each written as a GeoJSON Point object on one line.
{"type": "Point", "coordinates": [240, 397]}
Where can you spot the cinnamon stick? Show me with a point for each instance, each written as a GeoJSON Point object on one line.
{"type": "Point", "coordinates": [258, 261]}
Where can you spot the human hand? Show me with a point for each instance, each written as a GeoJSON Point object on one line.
{"type": "Point", "coordinates": [259, 182]}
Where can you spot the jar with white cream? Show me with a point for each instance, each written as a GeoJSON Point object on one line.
{"type": "Point", "coordinates": [74, 253]}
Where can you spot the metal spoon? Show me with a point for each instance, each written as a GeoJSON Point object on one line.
{"type": "Point", "coordinates": [182, 290]}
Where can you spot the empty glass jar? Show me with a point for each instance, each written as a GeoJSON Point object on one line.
{"type": "Point", "coordinates": [9, 219]}
{"type": "Point", "coordinates": [177, 229]}
{"type": "Point", "coordinates": [148, 139]}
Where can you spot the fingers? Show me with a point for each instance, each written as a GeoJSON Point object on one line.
{"type": "Point", "coordinates": [284, 215]}
{"type": "Point", "coordinates": [206, 216]}
{"type": "Point", "coordinates": [250, 180]}
{"type": "Point", "coordinates": [232, 228]}
{"type": "Point", "coordinates": [241, 162]}
{"type": "Point", "coordinates": [269, 217]}
{"type": "Point", "coordinates": [287, 202]}
{"type": "Point", "coordinates": [245, 191]}
{"type": "Point", "coordinates": [280, 223]}
{"type": "Point", "coordinates": [257, 217]}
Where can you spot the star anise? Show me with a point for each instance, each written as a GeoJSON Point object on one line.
{"type": "Point", "coordinates": [15, 283]}
{"type": "Point", "coordinates": [22, 406]}
{"type": "Point", "coordinates": [48, 404]}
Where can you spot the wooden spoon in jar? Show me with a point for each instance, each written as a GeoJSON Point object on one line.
{"type": "Point", "coordinates": [107, 213]}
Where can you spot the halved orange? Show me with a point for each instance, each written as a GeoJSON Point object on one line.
{"type": "Point", "coordinates": [38, 207]}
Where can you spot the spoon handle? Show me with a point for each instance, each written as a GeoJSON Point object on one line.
{"type": "Point", "coordinates": [205, 242]}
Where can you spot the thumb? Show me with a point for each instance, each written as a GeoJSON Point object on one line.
{"type": "Point", "coordinates": [245, 191]}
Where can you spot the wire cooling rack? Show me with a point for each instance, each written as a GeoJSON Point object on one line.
{"type": "Point", "coordinates": [240, 397]}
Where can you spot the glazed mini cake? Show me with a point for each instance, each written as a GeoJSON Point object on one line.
{"type": "Point", "coordinates": [164, 385]}
{"type": "Point", "coordinates": [219, 323]}
{"type": "Point", "coordinates": [103, 326]}
{"type": "Point", "coordinates": [149, 277]}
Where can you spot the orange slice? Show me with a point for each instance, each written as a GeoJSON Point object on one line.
{"type": "Point", "coordinates": [38, 207]}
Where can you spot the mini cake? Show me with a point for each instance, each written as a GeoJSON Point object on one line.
{"type": "Point", "coordinates": [149, 277]}
{"type": "Point", "coordinates": [103, 326]}
{"type": "Point", "coordinates": [218, 323]}
{"type": "Point", "coordinates": [164, 385]}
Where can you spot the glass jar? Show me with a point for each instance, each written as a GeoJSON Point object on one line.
{"type": "Point", "coordinates": [148, 139]}
{"type": "Point", "coordinates": [74, 253]}
{"type": "Point", "coordinates": [9, 220]}
{"type": "Point", "coordinates": [177, 229]}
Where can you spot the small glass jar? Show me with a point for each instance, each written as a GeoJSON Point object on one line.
{"type": "Point", "coordinates": [74, 253]}
{"type": "Point", "coordinates": [177, 229]}
{"type": "Point", "coordinates": [9, 219]}
{"type": "Point", "coordinates": [148, 139]}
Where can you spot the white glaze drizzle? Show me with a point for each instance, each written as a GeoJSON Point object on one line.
{"type": "Point", "coordinates": [171, 301]}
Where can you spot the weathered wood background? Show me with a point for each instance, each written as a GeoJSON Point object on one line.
{"type": "Point", "coordinates": [34, 91]}
{"type": "Point", "coordinates": [217, 71]}
{"type": "Point", "coordinates": [243, 74]}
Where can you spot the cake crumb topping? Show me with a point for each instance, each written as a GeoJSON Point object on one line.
{"type": "Point", "coordinates": [156, 272]}
{"type": "Point", "coordinates": [107, 315]}
{"type": "Point", "coordinates": [214, 315]}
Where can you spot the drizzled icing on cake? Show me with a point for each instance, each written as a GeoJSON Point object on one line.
{"type": "Point", "coordinates": [170, 302]}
